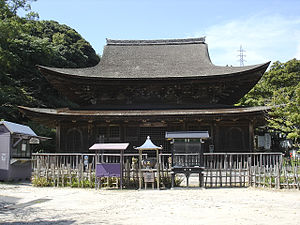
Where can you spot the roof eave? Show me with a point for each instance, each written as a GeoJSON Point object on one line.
{"type": "Point", "coordinates": [146, 113]}
{"type": "Point", "coordinates": [53, 72]}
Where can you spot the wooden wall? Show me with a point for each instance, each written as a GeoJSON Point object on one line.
{"type": "Point", "coordinates": [226, 135]}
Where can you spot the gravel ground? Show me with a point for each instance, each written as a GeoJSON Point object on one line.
{"type": "Point", "coordinates": [24, 204]}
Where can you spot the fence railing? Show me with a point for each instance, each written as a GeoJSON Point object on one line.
{"type": "Point", "coordinates": [284, 175]}
{"type": "Point", "coordinates": [220, 169]}
{"type": "Point", "coordinates": [223, 160]}
{"type": "Point", "coordinates": [74, 159]}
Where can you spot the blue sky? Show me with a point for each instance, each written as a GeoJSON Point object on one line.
{"type": "Point", "coordinates": [266, 29]}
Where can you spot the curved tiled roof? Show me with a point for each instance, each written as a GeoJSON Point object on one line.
{"type": "Point", "coordinates": [153, 59]}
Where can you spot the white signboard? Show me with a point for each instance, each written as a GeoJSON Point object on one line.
{"type": "Point", "coordinates": [261, 141]}
{"type": "Point", "coordinates": [23, 148]}
{"type": "Point", "coordinates": [3, 157]}
{"type": "Point", "coordinates": [267, 141]}
{"type": "Point", "coordinates": [34, 141]}
{"type": "Point", "coordinates": [149, 177]}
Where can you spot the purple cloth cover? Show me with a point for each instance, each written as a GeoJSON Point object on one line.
{"type": "Point", "coordinates": [108, 170]}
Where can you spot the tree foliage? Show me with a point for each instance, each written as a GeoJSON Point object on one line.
{"type": "Point", "coordinates": [285, 115]}
{"type": "Point", "coordinates": [26, 42]}
{"type": "Point", "coordinates": [279, 88]}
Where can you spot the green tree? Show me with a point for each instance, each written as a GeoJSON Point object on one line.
{"type": "Point", "coordinates": [281, 75]}
{"type": "Point", "coordinates": [26, 42]}
{"type": "Point", "coordinates": [285, 114]}
{"type": "Point", "coordinates": [279, 88]}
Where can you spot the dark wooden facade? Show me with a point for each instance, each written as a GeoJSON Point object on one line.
{"type": "Point", "coordinates": [230, 129]}
{"type": "Point", "coordinates": [148, 87]}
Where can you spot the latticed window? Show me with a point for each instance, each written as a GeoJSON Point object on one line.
{"type": "Point", "coordinates": [74, 141]}
{"type": "Point", "coordinates": [108, 133]}
{"type": "Point", "coordinates": [193, 127]}
{"type": "Point", "coordinates": [175, 127]}
{"type": "Point", "coordinates": [114, 132]}
{"type": "Point", "coordinates": [102, 131]}
{"type": "Point", "coordinates": [131, 133]}
{"type": "Point", "coordinates": [102, 134]}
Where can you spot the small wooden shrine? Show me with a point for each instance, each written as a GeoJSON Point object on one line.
{"type": "Point", "coordinates": [187, 153]}
{"type": "Point", "coordinates": [149, 87]}
{"type": "Point", "coordinates": [148, 168]}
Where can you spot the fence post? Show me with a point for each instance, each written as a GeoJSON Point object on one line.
{"type": "Point", "coordinates": [127, 172]}
{"type": "Point", "coordinates": [211, 174]}
{"type": "Point", "coordinates": [286, 176]}
{"type": "Point", "coordinates": [38, 167]}
{"type": "Point", "coordinates": [69, 173]}
{"type": "Point", "coordinates": [230, 170]}
{"type": "Point", "coordinates": [63, 175]}
{"type": "Point", "coordinates": [296, 176]}
{"type": "Point", "coordinates": [80, 174]}
{"type": "Point", "coordinates": [226, 167]}
{"type": "Point", "coordinates": [240, 173]}
{"type": "Point", "coordinates": [90, 174]}
{"type": "Point", "coordinates": [53, 173]}
{"type": "Point", "coordinates": [270, 175]}
{"type": "Point", "coordinates": [47, 171]}
{"type": "Point", "coordinates": [277, 179]}
{"type": "Point", "coordinates": [264, 176]}
{"type": "Point", "coordinates": [259, 177]}
{"type": "Point", "coordinates": [220, 173]}
{"type": "Point", "coordinates": [58, 174]}
{"type": "Point", "coordinates": [249, 171]}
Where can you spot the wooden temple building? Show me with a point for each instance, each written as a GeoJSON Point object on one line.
{"type": "Point", "coordinates": [144, 88]}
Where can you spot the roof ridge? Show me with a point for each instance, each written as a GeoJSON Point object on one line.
{"type": "Point", "coordinates": [200, 40]}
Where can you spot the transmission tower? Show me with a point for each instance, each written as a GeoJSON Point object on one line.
{"type": "Point", "coordinates": [242, 56]}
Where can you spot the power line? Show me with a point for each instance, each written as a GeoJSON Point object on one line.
{"type": "Point", "coordinates": [242, 56]}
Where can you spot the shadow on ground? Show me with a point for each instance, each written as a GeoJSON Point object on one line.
{"type": "Point", "coordinates": [41, 222]}
{"type": "Point", "coordinates": [6, 201]}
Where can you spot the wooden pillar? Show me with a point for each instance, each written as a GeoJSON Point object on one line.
{"type": "Point", "coordinates": [172, 179]}
{"type": "Point", "coordinates": [96, 178]}
{"type": "Point", "coordinates": [251, 136]}
{"type": "Point", "coordinates": [58, 144]}
{"type": "Point", "coordinates": [140, 169]}
{"type": "Point", "coordinates": [172, 164]}
{"type": "Point", "coordinates": [212, 132]}
{"type": "Point", "coordinates": [158, 169]}
{"type": "Point", "coordinates": [217, 138]}
{"type": "Point", "coordinates": [121, 165]}
{"type": "Point", "coordinates": [90, 132]}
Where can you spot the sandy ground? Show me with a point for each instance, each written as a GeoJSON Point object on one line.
{"type": "Point", "coordinates": [24, 204]}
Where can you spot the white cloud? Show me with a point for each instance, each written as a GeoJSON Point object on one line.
{"type": "Point", "coordinates": [264, 38]}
